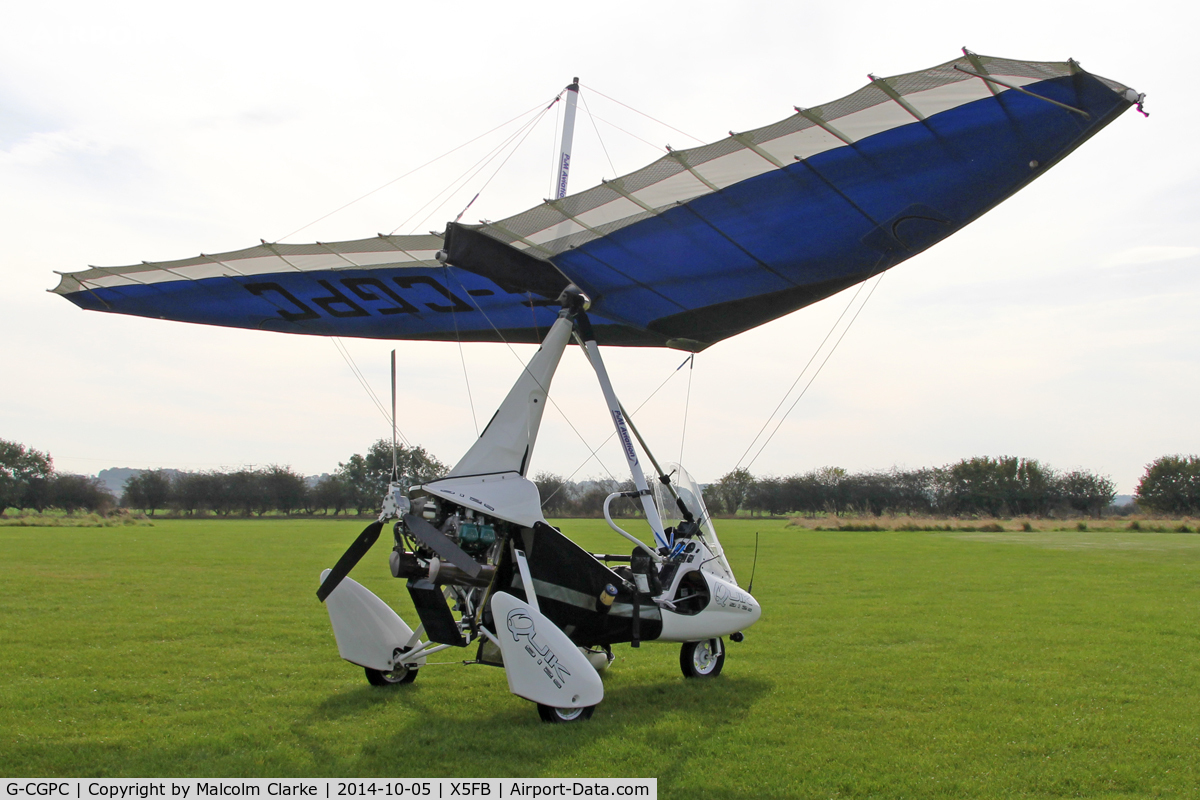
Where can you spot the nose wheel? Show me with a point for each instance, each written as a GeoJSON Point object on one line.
{"type": "Point", "coordinates": [702, 659]}
{"type": "Point", "coordinates": [563, 715]}
{"type": "Point", "coordinates": [397, 676]}
{"type": "Point", "coordinates": [394, 677]}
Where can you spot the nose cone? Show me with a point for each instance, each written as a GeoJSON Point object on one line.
{"type": "Point", "coordinates": [736, 604]}
{"type": "Point", "coordinates": [755, 610]}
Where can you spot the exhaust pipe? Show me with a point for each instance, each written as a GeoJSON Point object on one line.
{"type": "Point", "coordinates": [440, 573]}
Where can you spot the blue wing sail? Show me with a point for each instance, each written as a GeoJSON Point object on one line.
{"type": "Point", "coordinates": [692, 249]}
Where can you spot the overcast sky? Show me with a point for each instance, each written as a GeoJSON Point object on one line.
{"type": "Point", "coordinates": [1063, 326]}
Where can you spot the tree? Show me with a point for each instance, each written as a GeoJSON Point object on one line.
{"type": "Point", "coordinates": [1171, 485]}
{"type": "Point", "coordinates": [74, 492]}
{"type": "Point", "coordinates": [245, 491]}
{"type": "Point", "coordinates": [869, 492]}
{"type": "Point", "coordinates": [148, 490]}
{"type": "Point", "coordinates": [414, 464]}
{"type": "Point", "coordinates": [1087, 492]}
{"type": "Point", "coordinates": [187, 492]}
{"type": "Point", "coordinates": [731, 489]}
{"type": "Point", "coordinates": [766, 494]}
{"type": "Point", "coordinates": [330, 492]}
{"type": "Point", "coordinates": [996, 486]}
{"type": "Point", "coordinates": [914, 491]}
{"type": "Point", "coordinates": [283, 489]}
{"type": "Point", "coordinates": [366, 478]}
{"type": "Point", "coordinates": [23, 475]}
{"type": "Point", "coordinates": [803, 493]}
{"type": "Point", "coordinates": [360, 488]}
{"type": "Point", "coordinates": [555, 493]}
{"type": "Point", "coordinates": [830, 483]}
{"type": "Point", "coordinates": [593, 493]}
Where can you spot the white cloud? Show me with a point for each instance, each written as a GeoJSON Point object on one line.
{"type": "Point", "coordinates": [1149, 254]}
{"type": "Point", "coordinates": [41, 149]}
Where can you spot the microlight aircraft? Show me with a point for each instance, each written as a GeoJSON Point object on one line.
{"type": "Point", "coordinates": [697, 247]}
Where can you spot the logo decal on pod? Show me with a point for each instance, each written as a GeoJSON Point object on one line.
{"type": "Point", "coordinates": [521, 624]}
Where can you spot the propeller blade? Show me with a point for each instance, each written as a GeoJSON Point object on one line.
{"type": "Point", "coordinates": [441, 544]}
{"type": "Point", "coordinates": [351, 557]}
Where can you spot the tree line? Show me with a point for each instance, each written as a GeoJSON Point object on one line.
{"type": "Point", "coordinates": [358, 485]}
{"type": "Point", "coordinates": [980, 486]}
{"type": "Point", "coordinates": [28, 481]}
{"type": "Point", "coordinates": [1007, 486]}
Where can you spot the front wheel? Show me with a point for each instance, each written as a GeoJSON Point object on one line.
{"type": "Point", "coordinates": [397, 676]}
{"type": "Point", "coordinates": [702, 659]}
{"type": "Point", "coordinates": [564, 715]}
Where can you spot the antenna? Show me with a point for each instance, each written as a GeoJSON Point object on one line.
{"type": "Point", "coordinates": [395, 472]}
{"type": "Point", "coordinates": [754, 568]}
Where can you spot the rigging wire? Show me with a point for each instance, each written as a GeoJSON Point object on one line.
{"type": "Point", "coordinates": [818, 372]}
{"type": "Point", "coordinates": [461, 356]}
{"type": "Point", "coordinates": [476, 168]}
{"type": "Point", "coordinates": [607, 439]}
{"type": "Point", "coordinates": [658, 147]}
{"type": "Point", "coordinates": [595, 128]}
{"type": "Point", "coordinates": [410, 172]}
{"type": "Point", "coordinates": [644, 114]}
{"type": "Point", "coordinates": [517, 356]}
{"type": "Point", "coordinates": [554, 151]}
{"type": "Point", "coordinates": [687, 399]}
{"type": "Point", "coordinates": [349, 359]}
{"type": "Point", "coordinates": [453, 186]}
{"type": "Point", "coordinates": [537, 331]}
{"type": "Point", "coordinates": [811, 358]}
{"type": "Point", "coordinates": [528, 128]}
{"type": "Point", "coordinates": [515, 148]}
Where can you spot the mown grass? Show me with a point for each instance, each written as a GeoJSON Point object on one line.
{"type": "Point", "coordinates": [887, 664]}
{"type": "Point", "coordinates": [1114, 524]}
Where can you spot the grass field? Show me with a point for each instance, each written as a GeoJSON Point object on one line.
{"type": "Point", "coordinates": [886, 664]}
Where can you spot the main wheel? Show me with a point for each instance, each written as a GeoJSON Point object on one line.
{"type": "Point", "coordinates": [397, 676]}
{"type": "Point", "coordinates": [702, 659]}
{"type": "Point", "coordinates": [563, 715]}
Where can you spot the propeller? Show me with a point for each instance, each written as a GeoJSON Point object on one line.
{"type": "Point", "coordinates": [424, 532]}
{"type": "Point", "coordinates": [370, 534]}
{"type": "Point", "coordinates": [351, 557]}
{"type": "Point", "coordinates": [441, 544]}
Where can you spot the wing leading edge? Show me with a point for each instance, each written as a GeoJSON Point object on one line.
{"type": "Point", "coordinates": [692, 249]}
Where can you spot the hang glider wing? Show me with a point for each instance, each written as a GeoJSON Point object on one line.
{"type": "Point", "coordinates": [389, 287]}
{"type": "Point", "coordinates": [696, 247]}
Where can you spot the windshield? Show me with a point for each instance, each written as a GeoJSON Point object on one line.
{"type": "Point", "coordinates": [689, 492]}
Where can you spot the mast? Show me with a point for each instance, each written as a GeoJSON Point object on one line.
{"type": "Point", "coordinates": [395, 471]}
{"type": "Point", "coordinates": [568, 134]}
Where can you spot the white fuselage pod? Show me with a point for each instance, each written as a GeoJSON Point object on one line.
{"type": "Point", "coordinates": [729, 610]}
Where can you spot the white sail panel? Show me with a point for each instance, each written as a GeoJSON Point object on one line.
{"type": "Point", "coordinates": [265, 259]}
{"type": "Point", "coordinates": [864, 113]}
